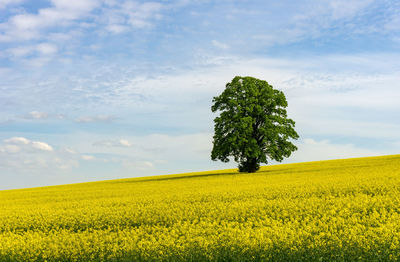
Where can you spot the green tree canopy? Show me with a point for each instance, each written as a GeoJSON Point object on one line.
{"type": "Point", "coordinates": [253, 124]}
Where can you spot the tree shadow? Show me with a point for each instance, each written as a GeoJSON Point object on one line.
{"type": "Point", "coordinates": [178, 177]}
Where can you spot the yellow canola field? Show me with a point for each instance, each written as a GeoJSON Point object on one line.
{"type": "Point", "coordinates": [339, 210]}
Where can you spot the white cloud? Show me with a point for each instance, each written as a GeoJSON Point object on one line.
{"type": "Point", "coordinates": [393, 23]}
{"type": "Point", "coordinates": [316, 20]}
{"type": "Point", "coordinates": [313, 150]}
{"type": "Point", "coordinates": [4, 70]}
{"type": "Point", "coordinates": [38, 115]}
{"type": "Point", "coordinates": [7, 3]}
{"type": "Point", "coordinates": [166, 148]}
{"type": "Point", "coordinates": [141, 14]}
{"type": "Point", "coordinates": [151, 154]}
{"type": "Point", "coordinates": [119, 17]}
{"type": "Point", "coordinates": [116, 29]}
{"type": "Point", "coordinates": [105, 143]}
{"type": "Point", "coordinates": [328, 95]}
{"type": "Point", "coordinates": [46, 48]}
{"type": "Point", "coordinates": [324, 81]}
{"type": "Point", "coordinates": [341, 9]}
{"type": "Point", "coordinates": [113, 143]}
{"type": "Point", "coordinates": [138, 165]}
{"type": "Point", "coordinates": [62, 164]}
{"type": "Point", "coordinates": [12, 148]}
{"type": "Point", "coordinates": [59, 116]}
{"type": "Point", "coordinates": [88, 157]}
{"type": "Point", "coordinates": [91, 119]}
{"type": "Point", "coordinates": [35, 55]}
{"type": "Point", "coordinates": [29, 26]}
{"type": "Point", "coordinates": [28, 143]}
{"type": "Point", "coordinates": [20, 51]}
{"type": "Point", "coordinates": [70, 151]}
{"type": "Point", "coordinates": [22, 155]}
{"type": "Point", "coordinates": [350, 96]}
{"type": "Point", "coordinates": [17, 140]}
{"type": "Point", "coordinates": [148, 164]}
{"type": "Point", "coordinates": [336, 125]}
{"type": "Point", "coordinates": [41, 146]}
{"type": "Point", "coordinates": [125, 143]}
{"type": "Point", "coordinates": [219, 44]}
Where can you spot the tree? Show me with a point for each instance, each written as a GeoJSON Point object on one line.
{"type": "Point", "coordinates": [253, 124]}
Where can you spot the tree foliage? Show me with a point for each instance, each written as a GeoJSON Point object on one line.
{"type": "Point", "coordinates": [253, 124]}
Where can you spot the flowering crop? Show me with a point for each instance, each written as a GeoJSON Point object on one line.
{"type": "Point", "coordinates": [343, 210]}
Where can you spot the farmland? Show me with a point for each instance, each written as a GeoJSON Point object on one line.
{"type": "Point", "coordinates": [343, 210]}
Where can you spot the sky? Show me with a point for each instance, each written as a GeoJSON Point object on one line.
{"type": "Point", "coordinates": [104, 89]}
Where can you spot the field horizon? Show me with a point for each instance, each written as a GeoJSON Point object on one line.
{"type": "Point", "coordinates": [331, 210]}
{"type": "Point", "coordinates": [199, 173]}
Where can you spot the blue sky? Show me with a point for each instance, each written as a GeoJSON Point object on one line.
{"type": "Point", "coordinates": [93, 90]}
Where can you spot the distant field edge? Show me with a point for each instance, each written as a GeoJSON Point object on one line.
{"type": "Point", "coordinates": [231, 171]}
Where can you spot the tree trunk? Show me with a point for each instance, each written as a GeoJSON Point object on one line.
{"type": "Point", "coordinates": [249, 166]}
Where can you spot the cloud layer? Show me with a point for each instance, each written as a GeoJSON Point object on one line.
{"type": "Point", "coordinates": [93, 90]}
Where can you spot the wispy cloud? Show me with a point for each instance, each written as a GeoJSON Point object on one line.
{"type": "Point", "coordinates": [219, 44]}
{"type": "Point", "coordinates": [135, 80]}
{"type": "Point", "coordinates": [119, 17]}
{"type": "Point", "coordinates": [88, 157]}
{"type": "Point", "coordinates": [21, 155]}
{"type": "Point", "coordinates": [41, 146]}
{"type": "Point", "coordinates": [138, 165]}
{"type": "Point", "coordinates": [46, 48]}
{"type": "Point", "coordinates": [323, 20]}
{"type": "Point", "coordinates": [313, 150]}
{"type": "Point", "coordinates": [28, 144]}
{"type": "Point", "coordinates": [113, 143]}
{"type": "Point", "coordinates": [393, 21]}
{"type": "Point", "coordinates": [17, 140]}
{"type": "Point", "coordinates": [43, 49]}
{"type": "Point", "coordinates": [29, 26]}
{"type": "Point", "coordinates": [8, 3]}
{"type": "Point", "coordinates": [114, 16]}
{"type": "Point", "coordinates": [38, 115]}
{"type": "Point", "coordinates": [93, 119]}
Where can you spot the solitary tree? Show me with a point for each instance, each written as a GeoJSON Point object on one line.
{"type": "Point", "coordinates": [253, 125]}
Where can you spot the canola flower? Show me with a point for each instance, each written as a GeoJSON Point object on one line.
{"type": "Point", "coordinates": [339, 210]}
